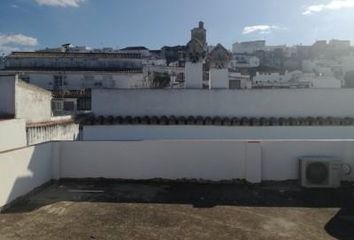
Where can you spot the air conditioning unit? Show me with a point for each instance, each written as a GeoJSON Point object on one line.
{"type": "Point", "coordinates": [320, 172]}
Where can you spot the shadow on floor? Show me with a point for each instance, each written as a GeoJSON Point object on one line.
{"type": "Point", "coordinates": [341, 226]}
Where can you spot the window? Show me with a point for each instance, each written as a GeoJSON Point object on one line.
{"type": "Point", "coordinates": [58, 81]}
{"type": "Point", "coordinates": [69, 106]}
{"type": "Point", "coordinates": [88, 81]}
{"type": "Point", "coordinates": [57, 106]}
{"type": "Point", "coordinates": [98, 84]}
{"type": "Point", "coordinates": [235, 84]}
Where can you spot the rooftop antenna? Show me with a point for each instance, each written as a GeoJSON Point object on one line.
{"type": "Point", "coordinates": [66, 46]}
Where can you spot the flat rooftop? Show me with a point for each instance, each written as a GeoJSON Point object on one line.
{"type": "Point", "coordinates": [170, 210]}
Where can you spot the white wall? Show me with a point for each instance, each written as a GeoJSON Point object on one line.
{"type": "Point", "coordinates": [55, 132]}
{"type": "Point", "coordinates": [7, 95]}
{"type": "Point", "coordinates": [150, 132]}
{"type": "Point", "coordinates": [24, 100]}
{"type": "Point", "coordinates": [23, 170]}
{"type": "Point", "coordinates": [12, 134]}
{"type": "Point", "coordinates": [279, 159]}
{"type": "Point", "coordinates": [250, 103]}
{"type": "Point", "coordinates": [212, 160]}
{"type": "Point", "coordinates": [326, 82]}
{"type": "Point", "coordinates": [248, 47]}
{"type": "Point", "coordinates": [193, 75]}
{"type": "Point", "coordinates": [219, 78]}
{"type": "Point", "coordinates": [208, 160]}
{"type": "Point", "coordinates": [32, 103]}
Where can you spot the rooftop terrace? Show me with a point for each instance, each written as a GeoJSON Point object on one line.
{"type": "Point", "coordinates": [88, 209]}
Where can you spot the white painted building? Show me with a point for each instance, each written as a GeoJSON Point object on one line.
{"type": "Point", "coordinates": [321, 66]}
{"type": "Point", "coordinates": [347, 63]}
{"type": "Point", "coordinates": [79, 80]}
{"type": "Point", "coordinates": [239, 81]}
{"type": "Point", "coordinates": [322, 81]}
{"type": "Point", "coordinates": [327, 66]}
{"type": "Point", "coordinates": [296, 79]}
{"type": "Point", "coordinates": [26, 116]}
{"type": "Point", "coordinates": [248, 47]}
{"type": "Point", "coordinates": [219, 60]}
{"type": "Point", "coordinates": [277, 80]}
{"type": "Point", "coordinates": [24, 101]}
{"type": "Point", "coordinates": [244, 61]}
{"type": "Point", "coordinates": [339, 44]}
{"type": "Point", "coordinates": [77, 70]}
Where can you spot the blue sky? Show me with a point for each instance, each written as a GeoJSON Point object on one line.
{"type": "Point", "coordinates": [33, 24]}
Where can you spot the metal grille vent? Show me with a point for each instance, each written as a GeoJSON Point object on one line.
{"type": "Point", "coordinates": [317, 173]}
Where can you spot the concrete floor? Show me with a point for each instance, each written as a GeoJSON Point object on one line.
{"type": "Point", "coordinates": [148, 210]}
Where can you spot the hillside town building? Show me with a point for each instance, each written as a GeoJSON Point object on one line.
{"type": "Point", "coordinates": [71, 73]}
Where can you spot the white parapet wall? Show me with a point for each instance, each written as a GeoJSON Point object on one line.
{"type": "Point", "coordinates": [213, 160]}
{"type": "Point", "coordinates": [245, 103]}
{"type": "Point", "coordinates": [158, 132]}
{"type": "Point", "coordinates": [12, 134]}
{"type": "Point", "coordinates": [23, 170]}
{"type": "Point", "coordinates": [53, 131]}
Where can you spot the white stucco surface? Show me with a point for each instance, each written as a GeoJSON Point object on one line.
{"type": "Point", "coordinates": [23, 170]}
{"type": "Point", "coordinates": [209, 160]}
{"type": "Point", "coordinates": [218, 78]}
{"type": "Point", "coordinates": [250, 103]}
{"type": "Point", "coordinates": [59, 132]}
{"type": "Point", "coordinates": [194, 75]}
{"type": "Point", "coordinates": [326, 82]}
{"type": "Point", "coordinates": [150, 132]}
{"type": "Point", "coordinates": [12, 134]}
{"type": "Point", "coordinates": [213, 160]}
{"type": "Point", "coordinates": [23, 100]}
{"type": "Point", "coordinates": [32, 103]}
{"type": "Point", "coordinates": [280, 159]}
{"type": "Point", "coordinates": [253, 162]}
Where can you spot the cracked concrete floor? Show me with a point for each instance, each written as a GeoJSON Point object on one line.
{"type": "Point", "coordinates": [145, 211]}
